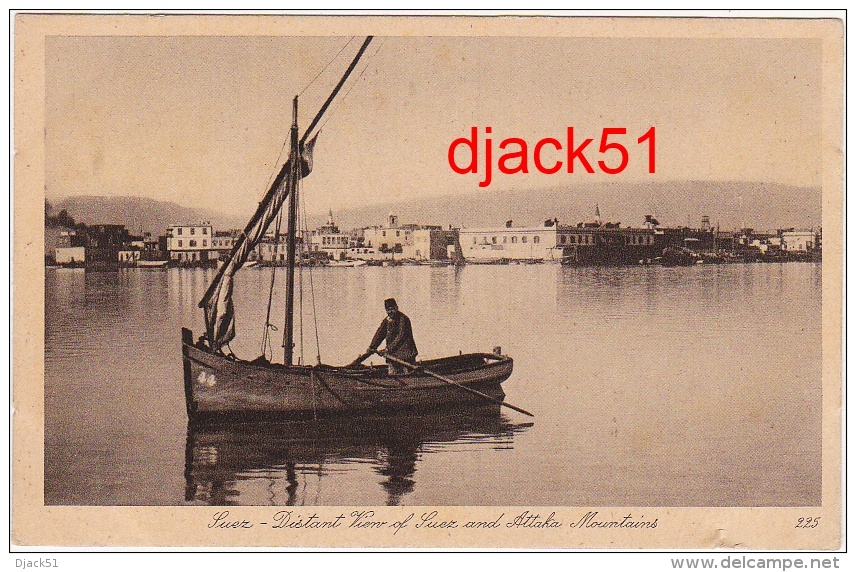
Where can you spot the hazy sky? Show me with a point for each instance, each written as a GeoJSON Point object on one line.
{"type": "Point", "coordinates": [201, 120]}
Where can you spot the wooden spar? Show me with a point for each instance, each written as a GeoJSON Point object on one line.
{"type": "Point", "coordinates": [335, 91]}
{"type": "Point", "coordinates": [294, 177]}
{"type": "Point", "coordinates": [456, 384]}
{"type": "Point", "coordinates": [263, 205]}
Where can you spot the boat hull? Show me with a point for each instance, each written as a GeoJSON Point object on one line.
{"type": "Point", "coordinates": [152, 263]}
{"type": "Point", "coordinates": [216, 385]}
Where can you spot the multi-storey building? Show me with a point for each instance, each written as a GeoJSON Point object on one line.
{"type": "Point", "coordinates": [409, 241]}
{"type": "Point", "coordinates": [223, 241]}
{"type": "Point", "coordinates": [608, 244]}
{"type": "Point", "coordinates": [798, 240]}
{"type": "Point", "coordinates": [428, 243]}
{"type": "Point", "coordinates": [330, 240]}
{"type": "Point", "coordinates": [190, 245]}
{"type": "Point", "coordinates": [391, 238]}
{"type": "Point", "coordinates": [536, 243]}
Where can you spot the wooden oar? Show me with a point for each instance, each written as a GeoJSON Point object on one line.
{"type": "Point", "coordinates": [456, 384]}
{"type": "Point", "coordinates": [360, 359]}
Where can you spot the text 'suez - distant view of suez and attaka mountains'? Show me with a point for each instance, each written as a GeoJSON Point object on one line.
{"type": "Point", "coordinates": [732, 207]}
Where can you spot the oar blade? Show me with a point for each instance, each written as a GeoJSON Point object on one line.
{"type": "Point", "coordinates": [458, 385]}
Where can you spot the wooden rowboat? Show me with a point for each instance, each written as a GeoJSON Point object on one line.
{"type": "Point", "coordinates": [217, 385]}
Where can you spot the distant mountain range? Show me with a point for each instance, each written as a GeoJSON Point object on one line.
{"type": "Point", "coordinates": [732, 204]}
{"type": "Point", "coordinates": [141, 214]}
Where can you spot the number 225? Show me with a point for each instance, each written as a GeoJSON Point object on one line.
{"type": "Point", "coordinates": [808, 522]}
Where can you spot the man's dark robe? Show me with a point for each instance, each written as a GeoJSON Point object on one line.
{"type": "Point", "coordinates": [399, 337]}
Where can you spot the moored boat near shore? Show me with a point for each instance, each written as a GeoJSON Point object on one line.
{"type": "Point", "coordinates": [152, 263]}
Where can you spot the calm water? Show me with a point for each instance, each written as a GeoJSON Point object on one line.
{"type": "Point", "coordinates": [651, 386]}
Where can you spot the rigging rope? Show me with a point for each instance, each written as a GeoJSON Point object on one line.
{"type": "Point", "coordinates": [314, 317]}
{"type": "Point", "coordinates": [268, 326]}
{"type": "Point", "coordinates": [300, 281]}
{"type": "Point", "coordinates": [311, 284]}
{"type": "Point", "coordinates": [341, 101]}
{"type": "Point", "coordinates": [327, 66]}
{"type": "Point", "coordinates": [330, 114]}
{"type": "Point", "coordinates": [276, 164]}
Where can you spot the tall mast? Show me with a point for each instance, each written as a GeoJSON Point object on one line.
{"type": "Point", "coordinates": [290, 244]}
{"type": "Point", "coordinates": [296, 166]}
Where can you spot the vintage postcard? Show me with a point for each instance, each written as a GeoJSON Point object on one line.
{"type": "Point", "coordinates": [427, 282]}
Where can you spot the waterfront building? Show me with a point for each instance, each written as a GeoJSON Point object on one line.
{"type": "Point", "coordinates": [223, 241]}
{"type": "Point", "coordinates": [391, 238]}
{"type": "Point", "coordinates": [103, 243]}
{"type": "Point", "coordinates": [761, 244]}
{"type": "Point", "coordinates": [61, 237]}
{"type": "Point", "coordinates": [798, 240]}
{"type": "Point", "coordinates": [609, 244]}
{"type": "Point", "coordinates": [154, 248]}
{"type": "Point", "coordinates": [362, 252]}
{"type": "Point", "coordinates": [190, 245]}
{"type": "Point", "coordinates": [328, 239]}
{"type": "Point", "coordinates": [490, 245]}
{"type": "Point", "coordinates": [64, 246]}
{"type": "Point", "coordinates": [427, 243]}
{"type": "Point", "coordinates": [52, 236]}
{"type": "Point", "coordinates": [272, 250]}
{"type": "Point", "coordinates": [409, 241]}
{"type": "Point", "coordinates": [685, 237]}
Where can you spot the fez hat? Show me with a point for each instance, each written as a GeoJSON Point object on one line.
{"type": "Point", "coordinates": [390, 304]}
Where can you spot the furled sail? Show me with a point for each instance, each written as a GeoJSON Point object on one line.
{"type": "Point", "coordinates": [217, 302]}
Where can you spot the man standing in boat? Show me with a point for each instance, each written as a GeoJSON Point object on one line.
{"type": "Point", "coordinates": [398, 333]}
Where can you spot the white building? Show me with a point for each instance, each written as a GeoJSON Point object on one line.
{"type": "Point", "coordinates": [798, 240]}
{"type": "Point", "coordinates": [762, 245]}
{"type": "Point", "coordinates": [223, 241]}
{"type": "Point", "coordinates": [190, 244]}
{"type": "Point", "coordinates": [273, 252]}
{"type": "Point", "coordinates": [510, 243]}
{"type": "Point", "coordinates": [327, 238]}
{"type": "Point", "coordinates": [390, 238]}
{"type": "Point", "coordinates": [408, 241]}
{"type": "Point", "coordinates": [426, 244]}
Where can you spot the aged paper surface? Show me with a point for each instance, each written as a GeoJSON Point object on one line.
{"type": "Point", "coordinates": [744, 455]}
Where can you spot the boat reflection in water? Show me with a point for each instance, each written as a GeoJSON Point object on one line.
{"type": "Point", "coordinates": [224, 457]}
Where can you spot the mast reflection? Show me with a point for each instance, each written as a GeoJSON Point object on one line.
{"type": "Point", "coordinates": [221, 455]}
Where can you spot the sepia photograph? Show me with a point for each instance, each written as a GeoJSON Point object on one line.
{"type": "Point", "coordinates": [532, 282]}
